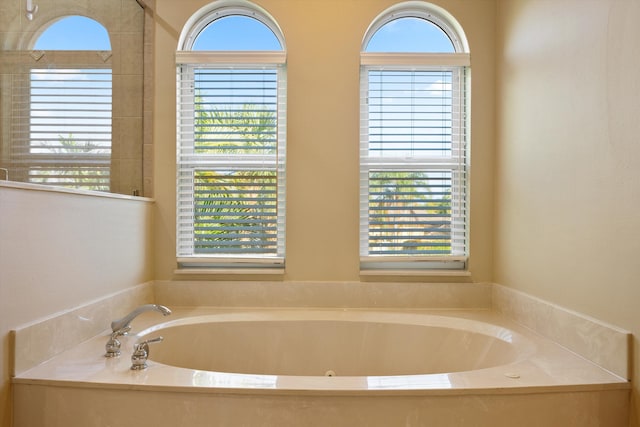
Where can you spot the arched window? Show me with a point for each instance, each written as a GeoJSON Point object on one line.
{"type": "Point", "coordinates": [234, 32]}
{"type": "Point", "coordinates": [74, 33]}
{"type": "Point", "coordinates": [409, 34]}
{"type": "Point", "coordinates": [231, 138]}
{"type": "Point", "coordinates": [70, 109]}
{"type": "Point", "coordinates": [413, 162]}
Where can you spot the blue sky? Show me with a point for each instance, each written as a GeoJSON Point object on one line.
{"type": "Point", "coordinates": [400, 35]}
{"type": "Point", "coordinates": [410, 35]}
{"type": "Point", "coordinates": [237, 33]}
{"type": "Point", "coordinates": [244, 33]}
{"type": "Point", "coordinates": [74, 33]}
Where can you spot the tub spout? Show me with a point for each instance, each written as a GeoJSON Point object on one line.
{"type": "Point", "coordinates": [123, 324]}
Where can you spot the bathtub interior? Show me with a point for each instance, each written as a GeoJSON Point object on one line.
{"type": "Point", "coordinates": [318, 345]}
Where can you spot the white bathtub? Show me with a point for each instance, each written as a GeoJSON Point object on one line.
{"type": "Point", "coordinates": [335, 343]}
{"type": "Point", "coordinates": [295, 367]}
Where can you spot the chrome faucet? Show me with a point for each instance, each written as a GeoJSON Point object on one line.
{"type": "Point", "coordinates": [119, 325]}
{"type": "Point", "coordinates": [122, 326]}
{"type": "Point", "coordinates": [113, 345]}
{"type": "Point", "coordinates": [141, 354]}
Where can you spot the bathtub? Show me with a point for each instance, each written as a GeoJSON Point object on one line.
{"type": "Point", "coordinates": [335, 343]}
{"type": "Point", "coordinates": [317, 367]}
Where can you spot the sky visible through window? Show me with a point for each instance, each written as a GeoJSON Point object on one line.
{"type": "Point", "coordinates": [244, 33]}
{"type": "Point", "coordinates": [409, 171]}
{"type": "Point", "coordinates": [410, 112]}
{"type": "Point", "coordinates": [236, 32]}
{"type": "Point", "coordinates": [71, 110]}
{"type": "Point", "coordinates": [74, 33]}
{"type": "Point", "coordinates": [410, 35]}
{"type": "Point", "coordinates": [70, 96]}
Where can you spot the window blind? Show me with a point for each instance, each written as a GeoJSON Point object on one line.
{"type": "Point", "coordinates": [413, 167]}
{"type": "Point", "coordinates": [231, 152]}
{"type": "Point", "coordinates": [62, 128]}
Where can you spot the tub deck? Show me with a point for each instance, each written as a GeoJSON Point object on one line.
{"type": "Point", "coordinates": [552, 385]}
{"type": "Point", "coordinates": [548, 367]}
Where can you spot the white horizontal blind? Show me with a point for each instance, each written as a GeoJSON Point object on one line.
{"type": "Point", "coordinates": [413, 165]}
{"type": "Point", "coordinates": [63, 127]}
{"type": "Point", "coordinates": [230, 163]}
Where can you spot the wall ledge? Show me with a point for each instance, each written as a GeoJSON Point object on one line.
{"type": "Point", "coordinates": [61, 190]}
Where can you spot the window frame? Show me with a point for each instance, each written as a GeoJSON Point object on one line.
{"type": "Point", "coordinates": [458, 62]}
{"type": "Point", "coordinates": [187, 61]}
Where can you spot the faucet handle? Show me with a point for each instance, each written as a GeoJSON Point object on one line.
{"type": "Point", "coordinates": [112, 346]}
{"type": "Point", "coordinates": [141, 353]}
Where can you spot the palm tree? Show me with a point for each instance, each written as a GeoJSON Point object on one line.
{"type": "Point", "coordinates": [235, 210]}
{"type": "Point", "coordinates": [409, 213]}
{"type": "Point", "coordinates": [81, 165]}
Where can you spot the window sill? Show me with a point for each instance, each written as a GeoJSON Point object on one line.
{"type": "Point", "coordinates": [228, 271]}
{"type": "Point", "coordinates": [415, 273]}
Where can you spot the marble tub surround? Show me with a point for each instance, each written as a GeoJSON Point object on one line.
{"type": "Point", "coordinates": [602, 344]}
{"type": "Point", "coordinates": [324, 294]}
{"type": "Point", "coordinates": [547, 385]}
{"type": "Point", "coordinates": [45, 338]}
{"type": "Point", "coordinates": [606, 345]}
{"type": "Point", "coordinates": [566, 409]}
{"type": "Point", "coordinates": [559, 379]}
{"type": "Point", "coordinates": [541, 363]}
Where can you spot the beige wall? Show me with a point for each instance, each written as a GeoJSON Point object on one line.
{"type": "Point", "coordinates": [60, 250]}
{"type": "Point", "coordinates": [567, 225]}
{"type": "Point", "coordinates": [323, 40]}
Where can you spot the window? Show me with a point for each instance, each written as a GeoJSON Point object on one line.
{"type": "Point", "coordinates": [231, 140]}
{"type": "Point", "coordinates": [64, 135]}
{"type": "Point", "coordinates": [414, 136]}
